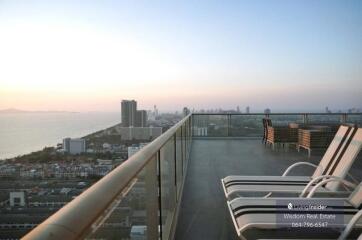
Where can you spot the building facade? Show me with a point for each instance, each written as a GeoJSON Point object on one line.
{"type": "Point", "coordinates": [139, 133]}
{"type": "Point", "coordinates": [129, 109]}
{"type": "Point", "coordinates": [74, 146]}
{"type": "Point", "coordinates": [131, 117]}
{"type": "Point", "coordinates": [17, 199]}
{"type": "Point", "coordinates": [141, 118]}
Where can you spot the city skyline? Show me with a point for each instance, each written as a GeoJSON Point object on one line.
{"type": "Point", "coordinates": [73, 56]}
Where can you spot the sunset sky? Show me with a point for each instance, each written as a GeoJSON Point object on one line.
{"type": "Point", "coordinates": [88, 55]}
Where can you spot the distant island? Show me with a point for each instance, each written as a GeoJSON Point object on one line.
{"type": "Point", "coordinates": [14, 110]}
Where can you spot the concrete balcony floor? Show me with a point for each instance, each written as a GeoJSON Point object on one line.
{"type": "Point", "coordinates": [203, 213]}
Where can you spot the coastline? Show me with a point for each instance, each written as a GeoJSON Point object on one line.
{"type": "Point", "coordinates": [25, 139]}
{"type": "Point", "coordinates": [54, 146]}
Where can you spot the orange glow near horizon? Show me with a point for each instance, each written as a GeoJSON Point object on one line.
{"type": "Point", "coordinates": [167, 98]}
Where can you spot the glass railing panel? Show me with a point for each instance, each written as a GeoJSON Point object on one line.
{"type": "Point", "coordinates": [200, 123]}
{"type": "Point", "coordinates": [210, 125]}
{"type": "Point", "coordinates": [134, 213]}
{"type": "Point", "coordinates": [356, 119]}
{"type": "Point", "coordinates": [168, 186]}
{"type": "Point", "coordinates": [285, 120]}
{"type": "Point", "coordinates": [184, 147]}
{"type": "Point", "coordinates": [188, 138]}
{"type": "Point", "coordinates": [316, 119]}
{"type": "Point", "coordinates": [179, 162]}
{"type": "Point", "coordinates": [246, 126]}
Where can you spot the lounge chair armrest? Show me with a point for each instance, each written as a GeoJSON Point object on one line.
{"type": "Point", "coordinates": [353, 178]}
{"type": "Point", "coordinates": [298, 164]}
{"type": "Point", "coordinates": [315, 180]}
{"type": "Point", "coordinates": [347, 230]}
{"type": "Point", "coordinates": [334, 179]}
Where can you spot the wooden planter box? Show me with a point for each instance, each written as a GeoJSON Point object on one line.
{"type": "Point", "coordinates": [315, 138]}
{"type": "Point", "coordinates": [282, 135]}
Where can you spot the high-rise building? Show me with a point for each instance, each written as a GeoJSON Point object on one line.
{"type": "Point", "coordinates": [155, 110]}
{"type": "Point", "coordinates": [74, 146]}
{"type": "Point", "coordinates": [131, 117]}
{"type": "Point", "coordinates": [141, 118]}
{"type": "Point", "coordinates": [247, 110]}
{"type": "Point", "coordinates": [129, 109]}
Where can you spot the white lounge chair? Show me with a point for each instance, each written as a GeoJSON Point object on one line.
{"type": "Point", "coordinates": [278, 218]}
{"type": "Point", "coordinates": [335, 163]}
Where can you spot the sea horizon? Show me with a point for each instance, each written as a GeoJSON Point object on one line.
{"type": "Point", "coordinates": [29, 132]}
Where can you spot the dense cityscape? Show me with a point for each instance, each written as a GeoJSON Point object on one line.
{"type": "Point", "coordinates": [35, 185]}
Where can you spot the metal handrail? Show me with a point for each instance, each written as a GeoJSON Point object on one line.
{"type": "Point", "coordinates": [74, 220]}
{"type": "Point", "coordinates": [350, 226]}
{"type": "Point", "coordinates": [325, 181]}
{"type": "Point", "coordinates": [228, 116]}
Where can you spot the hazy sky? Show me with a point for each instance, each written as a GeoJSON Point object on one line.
{"type": "Point", "coordinates": [88, 55]}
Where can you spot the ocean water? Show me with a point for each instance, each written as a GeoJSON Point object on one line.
{"type": "Point", "coordinates": [22, 133]}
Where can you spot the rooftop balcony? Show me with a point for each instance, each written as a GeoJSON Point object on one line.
{"type": "Point", "coordinates": [171, 188]}
{"type": "Point", "coordinates": [204, 214]}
